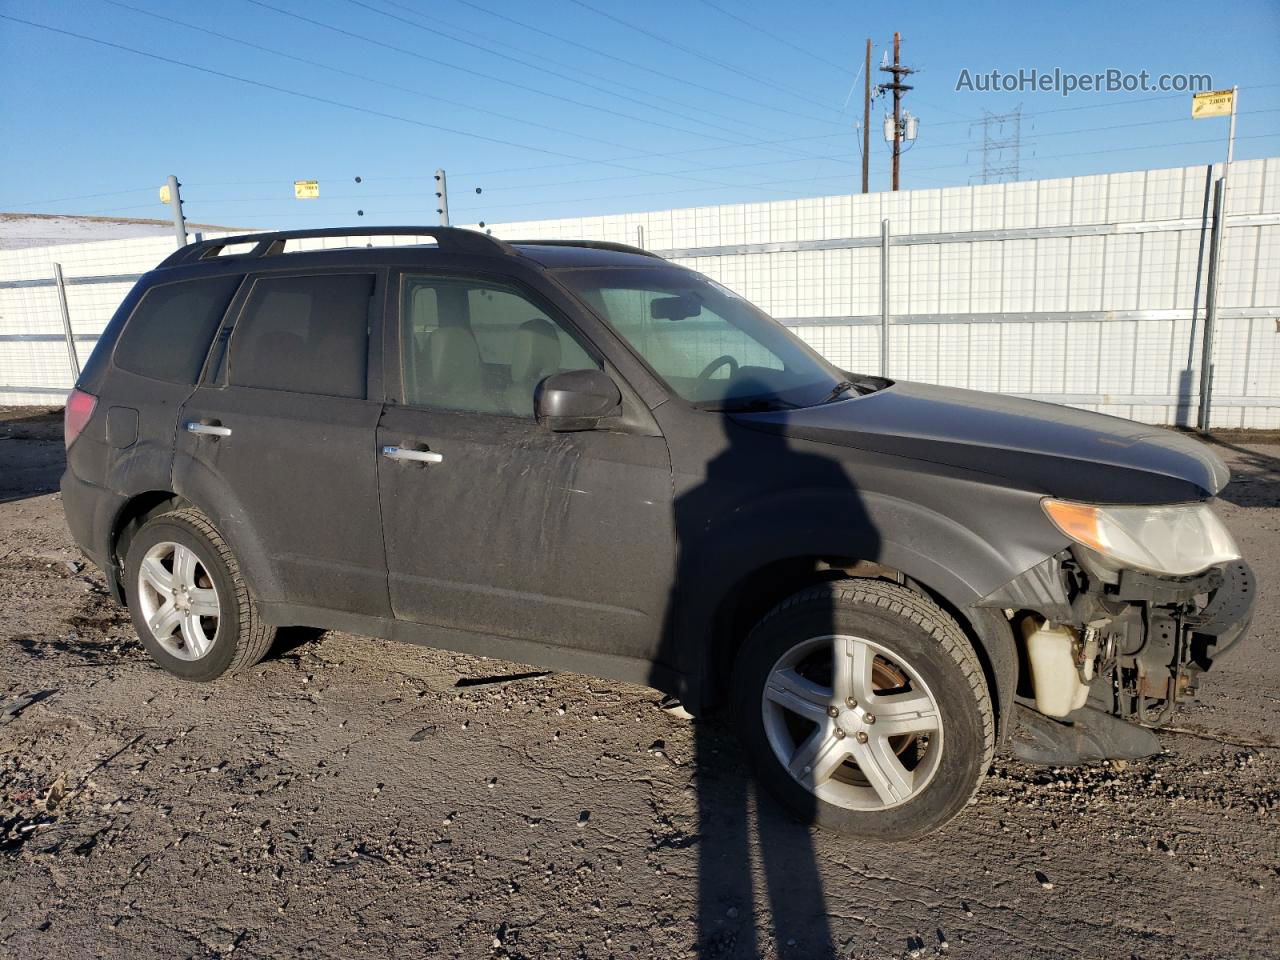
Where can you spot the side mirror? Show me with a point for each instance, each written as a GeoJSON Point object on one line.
{"type": "Point", "coordinates": [576, 400]}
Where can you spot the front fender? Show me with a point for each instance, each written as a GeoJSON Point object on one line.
{"type": "Point", "coordinates": [961, 541]}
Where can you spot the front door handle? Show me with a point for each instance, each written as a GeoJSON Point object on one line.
{"type": "Point", "coordinates": [208, 429]}
{"type": "Point", "coordinates": [421, 456]}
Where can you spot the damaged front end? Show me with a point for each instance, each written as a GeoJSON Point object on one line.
{"type": "Point", "coordinates": [1103, 649]}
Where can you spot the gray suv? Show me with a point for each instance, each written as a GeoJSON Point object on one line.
{"type": "Point", "coordinates": [584, 457]}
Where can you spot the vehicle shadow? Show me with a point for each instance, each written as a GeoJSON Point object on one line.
{"type": "Point", "coordinates": [777, 858]}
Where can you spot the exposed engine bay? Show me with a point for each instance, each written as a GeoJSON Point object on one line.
{"type": "Point", "coordinates": [1121, 643]}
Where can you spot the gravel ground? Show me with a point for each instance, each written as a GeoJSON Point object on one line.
{"type": "Point", "coordinates": [355, 798]}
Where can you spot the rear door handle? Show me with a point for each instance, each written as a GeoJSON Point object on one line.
{"type": "Point", "coordinates": [208, 429]}
{"type": "Point", "coordinates": [421, 456]}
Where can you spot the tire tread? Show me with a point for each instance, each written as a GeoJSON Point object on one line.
{"type": "Point", "coordinates": [928, 616]}
{"type": "Point", "coordinates": [255, 637]}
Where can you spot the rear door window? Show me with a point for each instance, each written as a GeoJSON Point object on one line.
{"type": "Point", "coordinates": [304, 334]}
{"type": "Point", "coordinates": [168, 334]}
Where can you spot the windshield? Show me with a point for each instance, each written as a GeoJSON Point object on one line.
{"type": "Point", "coordinates": [712, 347]}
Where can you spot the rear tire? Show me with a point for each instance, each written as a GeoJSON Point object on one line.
{"type": "Point", "coordinates": [864, 709]}
{"type": "Point", "coordinates": [190, 605]}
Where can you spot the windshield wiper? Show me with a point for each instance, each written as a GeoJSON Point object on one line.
{"type": "Point", "coordinates": [838, 389]}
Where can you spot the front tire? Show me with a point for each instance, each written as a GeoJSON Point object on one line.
{"type": "Point", "coordinates": [864, 709]}
{"type": "Point", "coordinates": [189, 603]}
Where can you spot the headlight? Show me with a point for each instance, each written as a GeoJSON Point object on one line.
{"type": "Point", "coordinates": [1173, 541]}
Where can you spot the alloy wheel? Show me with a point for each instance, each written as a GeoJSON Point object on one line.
{"type": "Point", "coordinates": [179, 600]}
{"type": "Point", "coordinates": [852, 722]}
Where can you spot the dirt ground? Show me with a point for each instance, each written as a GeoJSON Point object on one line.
{"type": "Point", "coordinates": [355, 798]}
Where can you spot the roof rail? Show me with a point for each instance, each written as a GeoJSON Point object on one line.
{"type": "Point", "coordinates": [590, 244]}
{"type": "Point", "coordinates": [448, 239]}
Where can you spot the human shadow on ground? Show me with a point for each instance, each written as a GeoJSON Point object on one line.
{"type": "Point", "coordinates": [750, 468]}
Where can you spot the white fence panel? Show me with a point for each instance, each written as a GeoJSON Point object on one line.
{"type": "Point", "coordinates": [1086, 290]}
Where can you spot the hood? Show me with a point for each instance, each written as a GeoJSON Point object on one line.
{"type": "Point", "coordinates": [1057, 450]}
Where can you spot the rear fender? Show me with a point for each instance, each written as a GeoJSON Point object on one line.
{"type": "Point", "coordinates": [195, 482]}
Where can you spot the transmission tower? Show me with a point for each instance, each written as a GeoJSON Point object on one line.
{"type": "Point", "coordinates": [1001, 146]}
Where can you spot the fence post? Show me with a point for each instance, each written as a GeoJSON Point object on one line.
{"type": "Point", "coordinates": [175, 204]}
{"type": "Point", "coordinates": [884, 298]}
{"type": "Point", "coordinates": [66, 322]}
{"type": "Point", "coordinates": [442, 197]}
{"type": "Point", "coordinates": [1210, 310]}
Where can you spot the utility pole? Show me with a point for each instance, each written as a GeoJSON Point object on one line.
{"type": "Point", "coordinates": [175, 204]}
{"type": "Point", "coordinates": [866, 122]}
{"type": "Point", "coordinates": [898, 71]}
{"type": "Point", "coordinates": [442, 197]}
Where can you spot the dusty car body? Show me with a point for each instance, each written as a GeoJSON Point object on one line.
{"type": "Point", "coordinates": [538, 461]}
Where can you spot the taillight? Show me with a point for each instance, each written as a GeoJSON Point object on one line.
{"type": "Point", "coordinates": [79, 409]}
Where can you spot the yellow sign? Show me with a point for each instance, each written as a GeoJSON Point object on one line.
{"type": "Point", "coordinates": [1216, 103]}
{"type": "Point", "coordinates": [306, 189]}
{"type": "Point", "coordinates": [164, 194]}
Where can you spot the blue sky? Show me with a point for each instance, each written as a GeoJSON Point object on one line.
{"type": "Point", "coordinates": [557, 109]}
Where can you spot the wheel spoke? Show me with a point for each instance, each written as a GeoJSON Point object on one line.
{"type": "Point", "coordinates": [184, 566]}
{"type": "Point", "coordinates": [156, 576]}
{"type": "Point", "coordinates": [164, 621]}
{"type": "Point", "coordinates": [905, 713]}
{"type": "Point", "coordinates": [793, 692]}
{"type": "Point", "coordinates": [204, 602]}
{"type": "Point", "coordinates": [853, 660]}
{"type": "Point", "coordinates": [819, 756]}
{"type": "Point", "coordinates": [193, 635]}
{"type": "Point", "coordinates": [891, 781]}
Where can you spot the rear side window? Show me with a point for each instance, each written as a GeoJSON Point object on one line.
{"type": "Point", "coordinates": [168, 334]}
{"type": "Point", "coordinates": [305, 334]}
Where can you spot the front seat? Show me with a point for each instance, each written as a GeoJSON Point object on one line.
{"type": "Point", "coordinates": [456, 377]}
{"type": "Point", "coordinates": [535, 355]}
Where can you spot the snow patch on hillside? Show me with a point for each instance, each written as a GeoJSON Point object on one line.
{"type": "Point", "coordinates": [18, 230]}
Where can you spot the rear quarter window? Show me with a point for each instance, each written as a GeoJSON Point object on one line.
{"type": "Point", "coordinates": [168, 334]}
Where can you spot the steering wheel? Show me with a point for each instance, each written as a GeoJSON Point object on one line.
{"type": "Point", "coordinates": [716, 364]}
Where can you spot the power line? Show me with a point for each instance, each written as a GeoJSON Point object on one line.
{"type": "Point", "coordinates": [435, 21]}
{"type": "Point", "coordinates": [844, 176]}
{"type": "Point", "coordinates": [318, 99]}
{"type": "Point", "coordinates": [83, 196]}
{"type": "Point", "coordinates": [476, 73]}
{"type": "Point", "coordinates": [700, 54]}
{"type": "Point", "coordinates": [285, 90]}
{"type": "Point", "coordinates": [360, 76]}
{"type": "Point", "coordinates": [771, 183]}
{"type": "Point", "coordinates": [635, 65]}
{"type": "Point", "coordinates": [1098, 106]}
{"type": "Point", "coordinates": [757, 163]}
{"type": "Point", "coordinates": [434, 30]}
{"type": "Point", "coordinates": [808, 54]}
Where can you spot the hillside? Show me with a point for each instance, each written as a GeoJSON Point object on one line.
{"type": "Point", "coordinates": [18, 230]}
